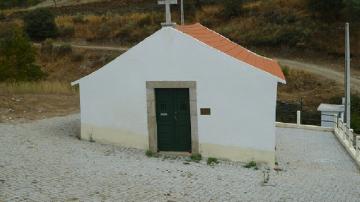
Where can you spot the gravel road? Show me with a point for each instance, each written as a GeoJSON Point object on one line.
{"type": "Point", "coordinates": [323, 71]}
{"type": "Point", "coordinates": [44, 161]}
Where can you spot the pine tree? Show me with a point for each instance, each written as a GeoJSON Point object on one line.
{"type": "Point", "coordinates": [40, 24]}
{"type": "Point", "coordinates": [326, 10]}
{"type": "Point", "coordinates": [17, 57]}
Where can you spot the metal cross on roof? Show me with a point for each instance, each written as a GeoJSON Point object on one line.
{"type": "Point", "coordinates": [167, 4]}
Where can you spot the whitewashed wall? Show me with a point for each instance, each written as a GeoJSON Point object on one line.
{"type": "Point", "coordinates": [242, 98]}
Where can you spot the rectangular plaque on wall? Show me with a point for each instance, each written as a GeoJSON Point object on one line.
{"type": "Point", "coordinates": [205, 111]}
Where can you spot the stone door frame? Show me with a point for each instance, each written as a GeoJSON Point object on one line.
{"type": "Point", "coordinates": [151, 111]}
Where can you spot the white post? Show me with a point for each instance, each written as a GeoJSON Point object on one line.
{"type": "Point", "coordinates": [347, 134]}
{"type": "Point", "coordinates": [298, 118]}
{"type": "Point", "coordinates": [357, 146]}
{"type": "Point", "coordinates": [342, 114]}
{"type": "Point", "coordinates": [182, 13]}
{"type": "Point", "coordinates": [347, 76]}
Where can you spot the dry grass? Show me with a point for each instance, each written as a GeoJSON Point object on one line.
{"type": "Point", "coordinates": [50, 3]}
{"type": "Point", "coordinates": [110, 27]}
{"type": "Point", "coordinates": [42, 87]}
{"type": "Point", "coordinates": [27, 107]}
{"type": "Point", "coordinates": [311, 88]}
{"type": "Point", "coordinates": [64, 20]}
{"type": "Point", "coordinates": [17, 23]}
{"type": "Point", "coordinates": [208, 16]}
{"type": "Point", "coordinates": [208, 11]}
{"type": "Point", "coordinates": [74, 65]}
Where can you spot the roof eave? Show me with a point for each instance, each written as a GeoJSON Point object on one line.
{"type": "Point", "coordinates": [75, 82]}
{"type": "Point", "coordinates": [283, 81]}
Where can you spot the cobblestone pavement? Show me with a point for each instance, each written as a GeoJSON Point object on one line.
{"type": "Point", "coordinates": [44, 161]}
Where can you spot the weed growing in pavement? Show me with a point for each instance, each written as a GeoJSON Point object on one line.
{"type": "Point", "coordinates": [212, 161]}
{"type": "Point", "coordinates": [251, 164]}
{"type": "Point", "coordinates": [196, 157]}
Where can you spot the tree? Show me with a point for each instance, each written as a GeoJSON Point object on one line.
{"type": "Point", "coordinates": [326, 10]}
{"type": "Point", "coordinates": [352, 10]}
{"type": "Point", "coordinates": [190, 7]}
{"type": "Point", "coordinates": [355, 113]}
{"type": "Point", "coordinates": [40, 24]}
{"type": "Point", "coordinates": [232, 8]}
{"type": "Point", "coordinates": [17, 3]}
{"type": "Point", "coordinates": [17, 57]}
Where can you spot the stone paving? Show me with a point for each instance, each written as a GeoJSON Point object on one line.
{"type": "Point", "coordinates": [44, 161]}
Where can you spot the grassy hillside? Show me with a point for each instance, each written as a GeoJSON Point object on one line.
{"type": "Point", "coordinates": [266, 23]}
{"type": "Point", "coordinates": [8, 4]}
{"type": "Point", "coordinates": [276, 28]}
{"type": "Point", "coordinates": [260, 23]}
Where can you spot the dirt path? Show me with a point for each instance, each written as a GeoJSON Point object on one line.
{"type": "Point", "coordinates": [90, 47]}
{"type": "Point", "coordinates": [322, 71]}
{"type": "Point", "coordinates": [59, 3]}
{"type": "Point", "coordinates": [94, 47]}
{"type": "Point", "coordinates": [98, 7]}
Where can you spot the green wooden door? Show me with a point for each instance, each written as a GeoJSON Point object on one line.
{"type": "Point", "coordinates": [173, 119]}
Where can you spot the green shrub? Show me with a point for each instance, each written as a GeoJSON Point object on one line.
{"type": "Point", "coordinates": [66, 31]}
{"type": "Point", "coordinates": [17, 57]}
{"type": "Point", "coordinates": [251, 164]}
{"type": "Point", "coordinates": [91, 139]}
{"type": "Point", "coordinates": [191, 7]}
{"type": "Point", "coordinates": [149, 153]}
{"type": "Point", "coordinates": [352, 10]}
{"type": "Point", "coordinates": [62, 49]}
{"type": "Point", "coordinates": [324, 9]}
{"type": "Point", "coordinates": [77, 57]}
{"type": "Point", "coordinates": [4, 4]}
{"type": "Point", "coordinates": [196, 157]}
{"type": "Point", "coordinates": [78, 18]}
{"type": "Point", "coordinates": [261, 31]}
{"type": "Point", "coordinates": [285, 70]}
{"type": "Point", "coordinates": [146, 20]}
{"type": "Point", "coordinates": [212, 161]}
{"type": "Point", "coordinates": [110, 57]}
{"type": "Point", "coordinates": [355, 113]}
{"type": "Point", "coordinates": [40, 24]}
{"type": "Point", "coordinates": [232, 8]}
{"type": "Point", "coordinates": [104, 31]}
{"type": "Point", "coordinates": [47, 47]}
{"type": "Point", "coordinates": [2, 16]}
{"type": "Point", "coordinates": [129, 32]}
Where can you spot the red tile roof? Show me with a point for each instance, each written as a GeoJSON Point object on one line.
{"type": "Point", "coordinates": [217, 41]}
